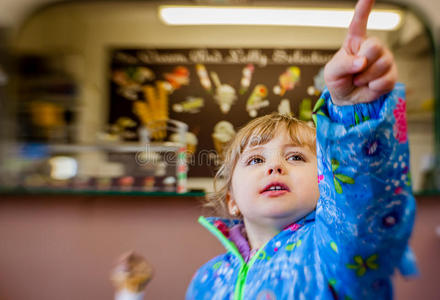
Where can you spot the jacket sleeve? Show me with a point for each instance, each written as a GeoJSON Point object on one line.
{"type": "Point", "coordinates": [191, 291]}
{"type": "Point", "coordinates": [366, 209]}
{"type": "Point", "coordinates": [213, 280]}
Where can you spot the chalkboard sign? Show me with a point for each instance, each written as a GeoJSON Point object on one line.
{"type": "Point", "coordinates": [202, 87]}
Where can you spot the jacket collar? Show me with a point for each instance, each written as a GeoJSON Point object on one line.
{"type": "Point", "coordinates": [232, 222]}
{"type": "Point", "coordinates": [220, 228]}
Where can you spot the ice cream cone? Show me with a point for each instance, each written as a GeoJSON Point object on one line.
{"type": "Point", "coordinates": [131, 276]}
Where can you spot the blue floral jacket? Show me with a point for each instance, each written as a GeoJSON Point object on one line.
{"type": "Point", "coordinates": [350, 246]}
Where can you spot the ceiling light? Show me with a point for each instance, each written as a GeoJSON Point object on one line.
{"type": "Point", "coordinates": [210, 15]}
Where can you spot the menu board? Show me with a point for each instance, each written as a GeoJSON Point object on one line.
{"type": "Point", "coordinates": [213, 91]}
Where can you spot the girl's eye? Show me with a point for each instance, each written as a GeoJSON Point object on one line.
{"type": "Point", "coordinates": [295, 157]}
{"type": "Point", "coordinates": [254, 161]}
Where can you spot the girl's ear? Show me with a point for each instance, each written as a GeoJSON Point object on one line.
{"type": "Point", "coordinates": [229, 201]}
{"type": "Point", "coordinates": [232, 205]}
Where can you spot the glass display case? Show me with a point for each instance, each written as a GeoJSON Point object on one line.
{"type": "Point", "coordinates": [45, 150]}
{"type": "Point", "coordinates": [113, 167]}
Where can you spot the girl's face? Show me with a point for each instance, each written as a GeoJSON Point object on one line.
{"type": "Point", "coordinates": [275, 184]}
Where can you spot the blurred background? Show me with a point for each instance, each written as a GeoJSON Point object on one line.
{"type": "Point", "coordinates": [114, 115]}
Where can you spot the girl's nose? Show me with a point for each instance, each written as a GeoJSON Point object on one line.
{"type": "Point", "coordinates": [278, 169]}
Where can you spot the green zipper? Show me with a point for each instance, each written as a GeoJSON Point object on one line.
{"type": "Point", "coordinates": [230, 246]}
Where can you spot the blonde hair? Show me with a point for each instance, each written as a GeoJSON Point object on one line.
{"type": "Point", "coordinates": [257, 132]}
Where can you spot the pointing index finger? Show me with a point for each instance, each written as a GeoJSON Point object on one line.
{"type": "Point", "coordinates": [358, 25]}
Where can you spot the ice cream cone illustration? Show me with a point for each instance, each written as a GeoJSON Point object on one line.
{"type": "Point", "coordinates": [284, 107]}
{"type": "Point", "coordinates": [225, 94]}
{"type": "Point", "coordinates": [256, 100]}
{"type": "Point", "coordinates": [222, 135]}
{"type": "Point", "coordinates": [131, 276]}
{"type": "Point", "coordinates": [318, 84]}
{"type": "Point", "coordinates": [189, 139]}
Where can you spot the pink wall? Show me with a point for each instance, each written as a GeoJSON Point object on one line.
{"type": "Point", "coordinates": [64, 247]}
{"type": "Point", "coordinates": [426, 245]}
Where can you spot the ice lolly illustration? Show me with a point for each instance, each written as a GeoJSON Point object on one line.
{"type": "Point", "coordinates": [305, 110]}
{"type": "Point", "coordinates": [190, 105]}
{"type": "Point", "coordinates": [288, 80]}
{"type": "Point", "coordinates": [203, 77]}
{"type": "Point", "coordinates": [246, 78]}
{"type": "Point", "coordinates": [256, 100]}
{"type": "Point", "coordinates": [225, 94]}
{"type": "Point", "coordinates": [179, 77]}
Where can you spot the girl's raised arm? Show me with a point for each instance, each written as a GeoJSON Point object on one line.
{"type": "Point", "coordinates": [366, 209]}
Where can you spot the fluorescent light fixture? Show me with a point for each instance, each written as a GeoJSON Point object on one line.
{"type": "Point", "coordinates": [211, 15]}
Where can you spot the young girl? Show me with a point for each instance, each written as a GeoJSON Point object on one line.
{"type": "Point", "coordinates": [322, 214]}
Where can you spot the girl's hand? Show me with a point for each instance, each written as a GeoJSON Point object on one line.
{"type": "Point", "coordinates": [363, 69]}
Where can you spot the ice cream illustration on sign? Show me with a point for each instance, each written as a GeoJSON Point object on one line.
{"type": "Point", "coordinates": [287, 80]}
{"type": "Point", "coordinates": [246, 78]}
{"type": "Point", "coordinates": [222, 135]}
{"type": "Point", "coordinates": [189, 139]}
{"type": "Point", "coordinates": [178, 77]}
{"type": "Point", "coordinates": [256, 100]}
{"type": "Point", "coordinates": [318, 84]}
{"type": "Point", "coordinates": [153, 113]}
{"type": "Point", "coordinates": [284, 107]}
{"type": "Point", "coordinates": [189, 105]}
{"type": "Point", "coordinates": [203, 77]}
{"type": "Point", "coordinates": [225, 95]}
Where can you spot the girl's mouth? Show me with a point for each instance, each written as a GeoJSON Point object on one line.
{"type": "Point", "coordinates": [275, 189]}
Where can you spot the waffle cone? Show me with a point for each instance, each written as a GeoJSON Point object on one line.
{"type": "Point", "coordinates": [220, 147]}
